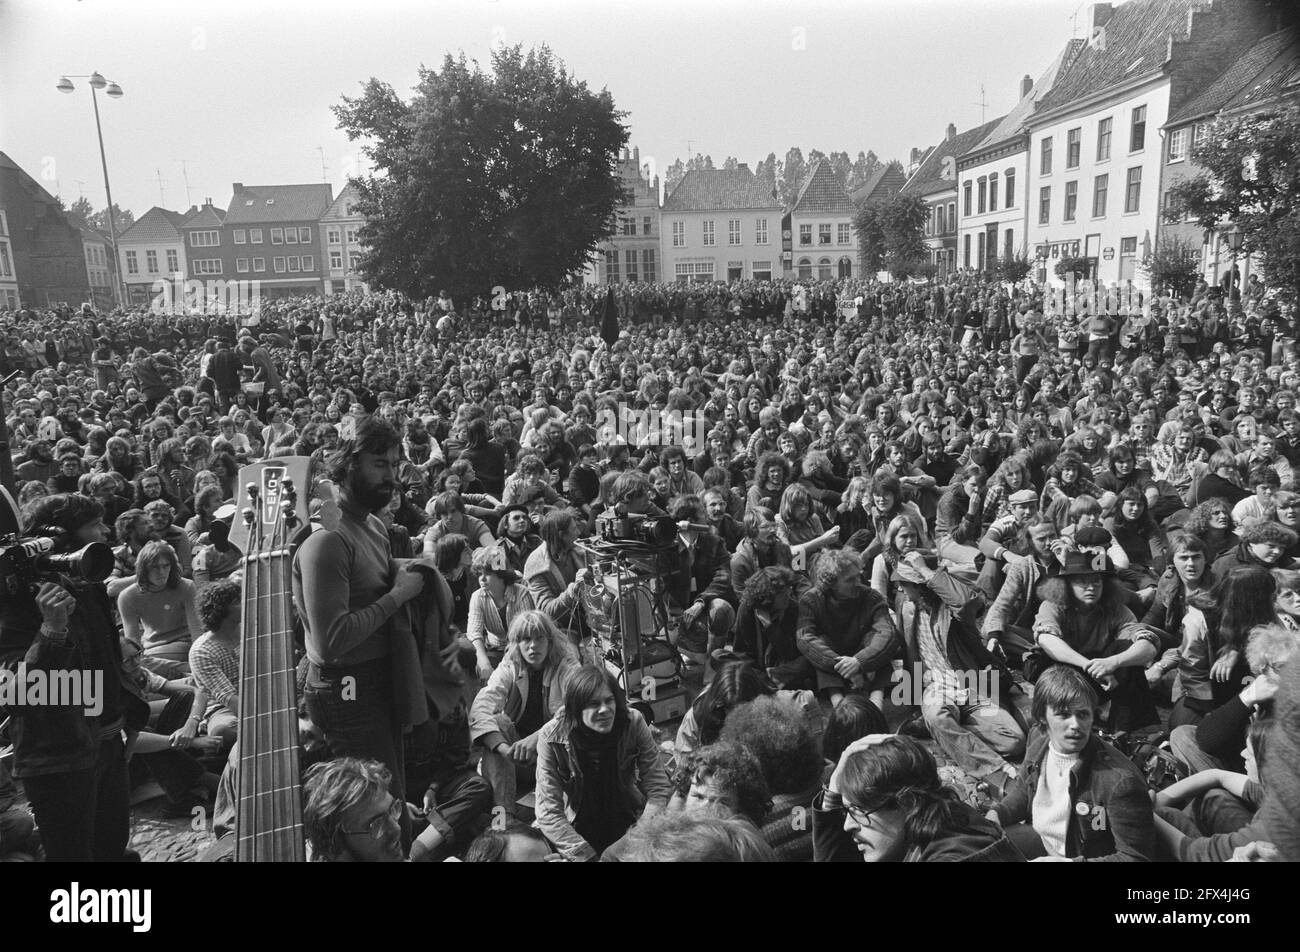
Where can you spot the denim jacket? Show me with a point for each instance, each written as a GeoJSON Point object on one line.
{"type": "Point", "coordinates": [1110, 809]}
{"type": "Point", "coordinates": [559, 778]}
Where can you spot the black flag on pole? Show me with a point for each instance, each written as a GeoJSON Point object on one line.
{"type": "Point", "coordinates": [609, 320]}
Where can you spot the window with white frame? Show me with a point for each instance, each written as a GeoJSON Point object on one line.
{"type": "Point", "coordinates": [132, 263]}
{"type": "Point", "coordinates": [1199, 132]}
{"type": "Point", "coordinates": [207, 266]}
{"type": "Point", "coordinates": [354, 260]}
{"type": "Point", "coordinates": [336, 260]}
{"type": "Point", "coordinates": [1044, 204]}
{"type": "Point", "coordinates": [645, 224]}
{"type": "Point", "coordinates": [842, 233]}
{"type": "Point", "coordinates": [1100, 188]}
{"type": "Point", "coordinates": [351, 234]}
{"type": "Point", "coordinates": [6, 261]}
{"type": "Point", "coordinates": [333, 235]}
{"type": "Point", "coordinates": [254, 236]}
{"type": "Point", "coordinates": [1071, 200]}
{"type": "Point", "coordinates": [708, 233]}
{"type": "Point", "coordinates": [173, 260]}
{"type": "Point", "coordinates": [241, 265]}
{"type": "Point", "coordinates": [309, 262]}
{"type": "Point", "coordinates": [760, 231]}
{"type": "Point", "coordinates": [1011, 189]}
{"type": "Point", "coordinates": [1045, 161]}
{"type": "Point", "coordinates": [679, 234]}
{"type": "Point", "coordinates": [823, 234]}
{"type": "Point", "coordinates": [805, 234]}
{"type": "Point", "coordinates": [259, 264]}
{"type": "Point", "coordinates": [205, 239]}
{"type": "Point", "coordinates": [1073, 147]}
{"type": "Point", "coordinates": [1103, 139]}
{"type": "Point", "coordinates": [697, 271]}
{"type": "Point", "coordinates": [240, 236]}
{"type": "Point", "coordinates": [1133, 190]}
{"type": "Point", "coordinates": [993, 191]}
{"type": "Point", "coordinates": [1137, 137]}
{"type": "Point", "coordinates": [304, 235]}
{"type": "Point", "coordinates": [733, 231]}
{"type": "Point", "coordinates": [295, 263]}
{"type": "Point", "coordinates": [4, 224]}
{"type": "Point", "coordinates": [291, 236]}
{"type": "Point", "coordinates": [611, 267]}
{"type": "Point", "coordinates": [151, 261]}
{"type": "Point", "coordinates": [630, 263]}
{"type": "Point", "coordinates": [277, 263]}
{"type": "Point", "coordinates": [1178, 145]}
{"type": "Point", "coordinates": [277, 236]}
{"type": "Point", "coordinates": [761, 270]}
{"type": "Point", "coordinates": [735, 270]}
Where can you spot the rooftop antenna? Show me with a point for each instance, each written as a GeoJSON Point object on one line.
{"type": "Point", "coordinates": [81, 190]}
{"type": "Point", "coordinates": [185, 174]}
{"type": "Point", "coordinates": [982, 104]}
{"type": "Point", "coordinates": [324, 174]}
{"type": "Point", "coordinates": [689, 154]}
{"type": "Point", "coordinates": [162, 200]}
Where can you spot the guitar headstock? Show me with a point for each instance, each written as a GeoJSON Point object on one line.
{"type": "Point", "coordinates": [272, 503]}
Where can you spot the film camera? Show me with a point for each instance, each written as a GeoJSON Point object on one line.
{"type": "Point", "coordinates": [617, 525]}
{"type": "Point", "coordinates": [28, 560]}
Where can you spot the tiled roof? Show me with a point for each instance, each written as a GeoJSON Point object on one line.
{"type": "Point", "coordinates": [1279, 78]}
{"type": "Point", "coordinates": [929, 179]}
{"type": "Point", "coordinates": [822, 194]}
{"type": "Point", "coordinates": [92, 234]}
{"type": "Point", "coordinates": [38, 191]}
{"type": "Point", "coordinates": [157, 224]}
{"type": "Point", "coordinates": [709, 189]}
{"type": "Point", "coordinates": [884, 182]}
{"type": "Point", "coordinates": [1137, 41]}
{"type": "Point", "coordinates": [1236, 77]}
{"type": "Point", "coordinates": [1013, 123]}
{"type": "Point", "coordinates": [206, 217]}
{"type": "Point", "coordinates": [339, 207]}
{"type": "Point", "coordinates": [270, 203]}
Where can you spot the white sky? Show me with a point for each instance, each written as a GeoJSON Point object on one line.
{"type": "Point", "coordinates": [239, 90]}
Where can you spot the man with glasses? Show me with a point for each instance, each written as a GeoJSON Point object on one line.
{"type": "Point", "coordinates": [348, 814]}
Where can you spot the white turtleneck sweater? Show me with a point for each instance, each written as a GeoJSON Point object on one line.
{"type": "Point", "coordinates": [1051, 807]}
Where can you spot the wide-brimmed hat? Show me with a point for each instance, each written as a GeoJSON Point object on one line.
{"type": "Point", "coordinates": [1088, 556]}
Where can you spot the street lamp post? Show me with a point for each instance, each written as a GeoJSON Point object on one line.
{"type": "Point", "coordinates": [114, 91]}
{"type": "Point", "coordinates": [1234, 245]}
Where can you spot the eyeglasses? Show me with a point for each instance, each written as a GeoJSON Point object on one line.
{"type": "Point", "coordinates": [378, 825]}
{"type": "Point", "coordinates": [862, 817]}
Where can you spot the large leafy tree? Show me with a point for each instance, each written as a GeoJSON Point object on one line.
{"type": "Point", "coordinates": [891, 235]}
{"type": "Point", "coordinates": [1251, 178]}
{"type": "Point", "coordinates": [492, 178]}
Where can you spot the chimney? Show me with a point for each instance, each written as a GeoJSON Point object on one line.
{"type": "Point", "coordinates": [207, 202]}
{"type": "Point", "coordinates": [636, 155]}
{"type": "Point", "coordinates": [1101, 14]}
{"type": "Point", "coordinates": [952, 132]}
{"type": "Point", "coordinates": [237, 187]}
{"type": "Point", "coordinates": [1026, 85]}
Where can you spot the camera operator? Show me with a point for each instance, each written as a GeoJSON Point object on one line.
{"type": "Point", "coordinates": [72, 763]}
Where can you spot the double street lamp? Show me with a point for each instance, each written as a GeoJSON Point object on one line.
{"type": "Point", "coordinates": [113, 91]}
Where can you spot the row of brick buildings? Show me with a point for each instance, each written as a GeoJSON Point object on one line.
{"type": "Point", "coordinates": [1082, 166]}
{"type": "Point", "coordinates": [291, 239]}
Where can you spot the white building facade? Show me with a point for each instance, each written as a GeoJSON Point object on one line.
{"type": "Point", "coordinates": [1094, 180]}
{"type": "Point", "coordinates": [720, 225]}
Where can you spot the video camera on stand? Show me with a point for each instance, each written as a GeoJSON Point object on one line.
{"type": "Point", "coordinates": [627, 610]}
